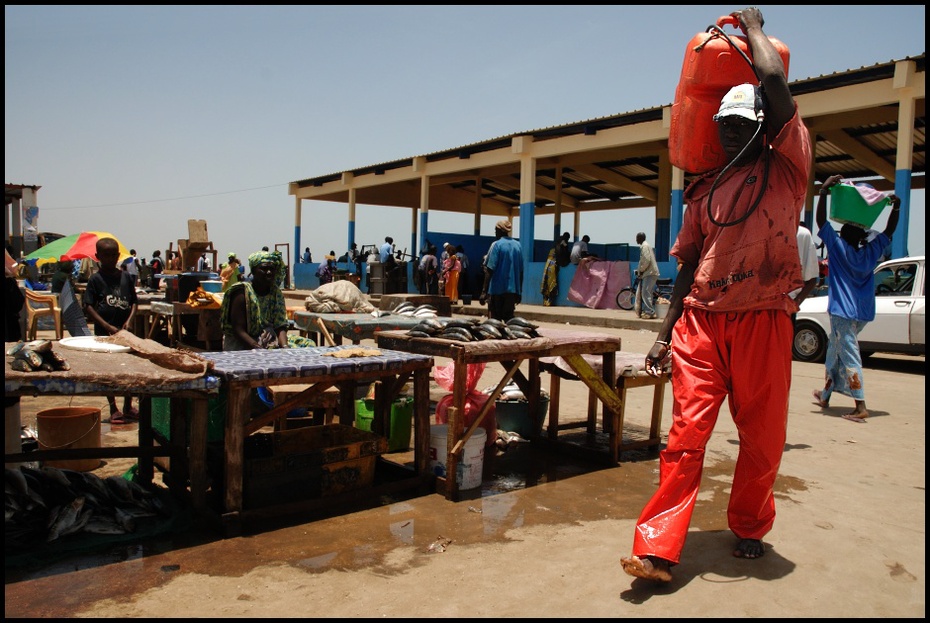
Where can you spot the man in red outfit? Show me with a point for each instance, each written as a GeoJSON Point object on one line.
{"type": "Point", "coordinates": [728, 331]}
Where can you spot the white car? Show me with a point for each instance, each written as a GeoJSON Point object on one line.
{"type": "Point", "coordinates": [899, 315]}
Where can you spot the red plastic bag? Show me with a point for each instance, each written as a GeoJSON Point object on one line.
{"type": "Point", "coordinates": [474, 400]}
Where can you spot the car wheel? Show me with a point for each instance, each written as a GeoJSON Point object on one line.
{"type": "Point", "coordinates": [810, 342]}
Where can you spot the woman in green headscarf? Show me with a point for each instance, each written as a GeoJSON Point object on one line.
{"type": "Point", "coordinates": [254, 315]}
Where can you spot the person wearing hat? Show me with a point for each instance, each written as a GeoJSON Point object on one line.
{"type": "Point", "coordinates": [503, 274]}
{"type": "Point", "coordinates": [230, 273]}
{"type": "Point", "coordinates": [253, 314]}
{"type": "Point", "coordinates": [728, 331]}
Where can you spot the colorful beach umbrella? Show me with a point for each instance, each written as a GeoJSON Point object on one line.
{"type": "Point", "coordinates": [73, 247]}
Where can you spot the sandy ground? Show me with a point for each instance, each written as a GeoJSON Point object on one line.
{"type": "Point", "coordinates": [848, 540]}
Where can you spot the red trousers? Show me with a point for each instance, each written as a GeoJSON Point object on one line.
{"type": "Point", "coordinates": [746, 358]}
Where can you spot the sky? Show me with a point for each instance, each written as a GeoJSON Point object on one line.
{"type": "Point", "coordinates": [135, 119]}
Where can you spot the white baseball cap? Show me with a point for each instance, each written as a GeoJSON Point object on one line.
{"type": "Point", "coordinates": [740, 101]}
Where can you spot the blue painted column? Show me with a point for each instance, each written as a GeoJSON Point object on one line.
{"type": "Point", "coordinates": [677, 210]}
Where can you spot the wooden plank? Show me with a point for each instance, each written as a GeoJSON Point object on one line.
{"type": "Point", "coordinates": [197, 230]}
{"type": "Point", "coordinates": [237, 415]}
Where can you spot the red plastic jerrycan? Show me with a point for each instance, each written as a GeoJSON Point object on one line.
{"type": "Point", "coordinates": [711, 68]}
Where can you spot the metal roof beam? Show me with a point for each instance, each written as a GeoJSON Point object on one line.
{"type": "Point", "coordinates": [860, 152]}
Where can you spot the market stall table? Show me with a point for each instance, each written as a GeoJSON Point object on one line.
{"type": "Point", "coordinates": [570, 345]}
{"type": "Point", "coordinates": [320, 368]}
{"type": "Point", "coordinates": [208, 329]}
{"type": "Point", "coordinates": [107, 373]}
{"type": "Point", "coordinates": [352, 326]}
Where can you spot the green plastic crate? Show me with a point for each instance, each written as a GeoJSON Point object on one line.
{"type": "Point", "coordinates": [848, 206]}
{"type": "Point", "coordinates": [216, 415]}
{"type": "Point", "coordinates": [401, 421]}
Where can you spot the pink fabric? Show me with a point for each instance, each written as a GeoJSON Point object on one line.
{"type": "Point", "coordinates": [870, 195]}
{"type": "Point", "coordinates": [597, 282]}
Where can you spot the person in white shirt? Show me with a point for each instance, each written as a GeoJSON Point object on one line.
{"type": "Point", "coordinates": [810, 267]}
{"type": "Point", "coordinates": [648, 273]}
{"type": "Point", "coordinates": [580, 250]}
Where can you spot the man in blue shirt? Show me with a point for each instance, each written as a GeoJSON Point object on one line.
{"type": "Point", "coordinates": [387, 249]}
{"type": "Point", "coordinates": [851, 300]}
{"type": "Point", "coordinates": [503, 274]}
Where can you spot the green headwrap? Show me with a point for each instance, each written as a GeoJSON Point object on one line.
{"type": "Point", "coordinates": [260, 257]}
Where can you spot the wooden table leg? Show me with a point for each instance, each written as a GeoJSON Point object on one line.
{"type": "Point", "coordinates": [197, 457]}
{"type": "Point", "coordinates": [456, 417]}
{"type": "Point", "coordinates": [555, 385]}
{"type": "Point", "coordinates": [237, 416]}
{"type": "Point", "coordinates": [421, 432]}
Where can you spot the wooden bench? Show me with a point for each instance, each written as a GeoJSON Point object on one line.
{"type": "Point", "coordinates": [630, 368]}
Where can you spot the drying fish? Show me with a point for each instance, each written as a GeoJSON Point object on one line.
{"type": "Point", "coordinates": [30, 356]}
{"type": "Point", "coordinates": [431, 324]}
{"type": "Point", "coordinates": [64, 518]}
{"type": "Point", "coordinates": [40, 346]}
{"type": "Point", "coordinates": [426, 327]}
{"type": "Point", "coordinates": [416, 333]}
{"type": "Point", "coordinates": [521, 322]}
{"type": "Point", "coordinates": [490, 329]}
{"type": "Point", "coordinates": [458, 322]}
{"type": "Point", "coordinates": [57, 360]}
{"type": "Point", "coordinates": [457, 334]}
{"type": "Point", "coordinates": [15, 348]}
{"type": "Point", "coordinates": [498, 324]}
{"type": "Point", "coordinates": [21, 365]}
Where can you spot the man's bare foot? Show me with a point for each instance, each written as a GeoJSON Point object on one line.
{"type": "Point", "coordinates": [648, 568]}
{"type": "Point", "coordinates": [819, 401]}
{"type": "Point", "coordinates": [749, 548]}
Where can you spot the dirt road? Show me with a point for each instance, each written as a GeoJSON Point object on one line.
{"type": "Point", "coordinates": [849, 539]}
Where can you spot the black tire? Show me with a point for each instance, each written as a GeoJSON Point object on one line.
{"type": "Point", "coordinates": [626, 298]}
{"type": "Point", "coordinates": [809, 343]}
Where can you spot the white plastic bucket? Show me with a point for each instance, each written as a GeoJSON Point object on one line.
{"type": "Point", "coordinates": [661, 310]}
{"type": "Point", "coordinates": [471, 463]}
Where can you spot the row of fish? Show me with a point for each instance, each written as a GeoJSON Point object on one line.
{"type": "Point", "coordinates": [475, 329]}
{"type": "Point", "coordinates": [36, 355]}
{"type": "Point", "coordinates": [45, 504]}
{"type": "Point", "coordinates": [415, 311]}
